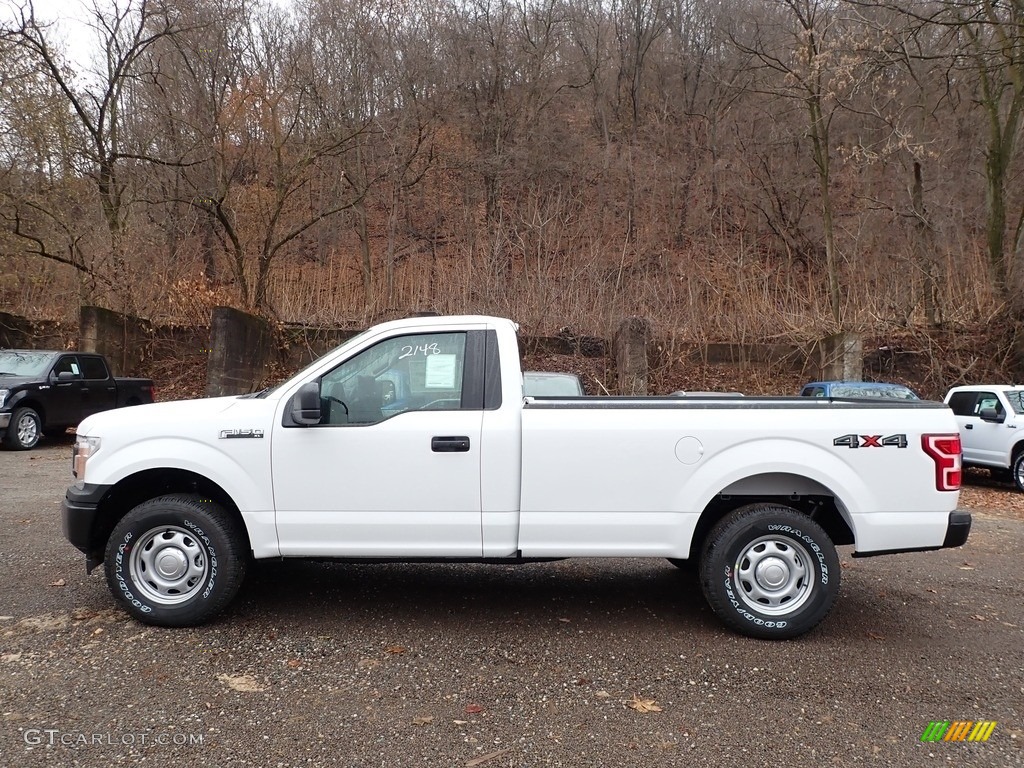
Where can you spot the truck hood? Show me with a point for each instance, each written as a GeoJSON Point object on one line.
{"type": "Point", "coordinates": [176, 417]}
{"type": "Point", "coordinates": [12, 382]}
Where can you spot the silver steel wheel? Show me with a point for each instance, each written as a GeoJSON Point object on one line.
{"type": "Point", "coordinates": [1018, 471]}
{"type": "Point", "coordinates": [169, 565]}
{"type": "Point", "coordinates": [774, 575]}
{"type": "Point", "coordinates": [27, 429]}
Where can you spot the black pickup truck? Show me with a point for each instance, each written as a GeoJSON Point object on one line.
{"type": "Point", "coordinates": [44, 393]}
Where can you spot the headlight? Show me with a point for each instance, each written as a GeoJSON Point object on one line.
{"type": "Point", "coordinates": [3, 396]}
{"type": "Point", "coordinates": [84, 448]}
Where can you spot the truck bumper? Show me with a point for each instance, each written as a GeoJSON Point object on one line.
{"type": "Point", "coordinates": [957, 530]}
{"type": "Point", "coordinates": [79, 521]}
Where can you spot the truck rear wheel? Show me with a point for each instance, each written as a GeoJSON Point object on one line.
{"type": "Point", "coordinates": [24, 430]}
{"type": "Point", "coordinates": [175, 561]}
{"type": "Point", "coordinates": [769, 571]}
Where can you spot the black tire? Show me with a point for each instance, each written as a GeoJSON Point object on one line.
{"type": "Point", "coordinates": [200, 548]}
{"type": "Point", "coordinates": [754, 546]}
{"type": "Point", "coordinates": [24, 431]}
{"type": "Point", "coordinates": [1017, 472]}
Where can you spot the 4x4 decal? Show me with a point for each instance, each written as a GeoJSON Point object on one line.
{"type": "Point", "coordinates": [871, 441]}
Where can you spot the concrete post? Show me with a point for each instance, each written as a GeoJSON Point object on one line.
{"type": "Point", "coordinates": [630, 349]}
{"type": "Point", "coordinates": [121, 338]}
{"type": "Point", "coordinates": [841, 357]}
{"type": "Point", "coordinates": [240, 351]}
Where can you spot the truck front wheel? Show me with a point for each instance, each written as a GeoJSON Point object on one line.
{"type": "Point", "coordinates": [769, 571]}
{"type": "Point", "coordinates": [1018, 471]}
{"type": "Point", "coordinates": [24, 430]}
{"type": "Point", "coordinates": [175, 561]}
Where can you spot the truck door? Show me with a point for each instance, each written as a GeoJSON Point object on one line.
{"type": "Point", "coordinates": [65, 398]}
{"type": "Point", "coordinates": [393, 467]}
{"type": "Point", "coordinates": [982, 441]}
{"type": "Point", "coordinates": [99, 392]}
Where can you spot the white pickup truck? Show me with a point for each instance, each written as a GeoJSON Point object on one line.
{"type": "Point", "coordinates": [990, 417]}
{"type": "Point", "coordinates": [413, 441]}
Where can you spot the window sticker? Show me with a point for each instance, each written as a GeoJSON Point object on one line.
{"type": "Point", "coordinates": [75, 370]}
{"type": "Point", "coordinates": [440, 372]}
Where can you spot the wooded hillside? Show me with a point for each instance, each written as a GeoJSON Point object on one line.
{"type": "Point", "coordinates": [730, 169]}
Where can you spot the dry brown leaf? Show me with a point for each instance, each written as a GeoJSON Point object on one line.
{"type": "Point", "coordinates": [243, 683]}
{"type": "Point", "coordinates": [423, 720]}
{"type": "Point", "coordinates": [473, 709]}
{"type": "Point", "coordinates": [643, 705]}
{"type": "Point", "coordinates": [395, 649]}
{"type": "Point", "coordinates": [489, 756]}
{"type": "Point", "coordinates": [58, 583]}
{"type": "Point", "coordinates": [293, 663]}
{"type": "Point", "coordinates": [875, 635]}
{"type": "Point", "coordinates": [603, 695]}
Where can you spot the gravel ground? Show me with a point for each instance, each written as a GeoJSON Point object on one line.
{"type": "Point", "coordinates": [577, 663]}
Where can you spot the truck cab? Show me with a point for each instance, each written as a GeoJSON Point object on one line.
{"type": "Point", "coordinates": [991, 422]}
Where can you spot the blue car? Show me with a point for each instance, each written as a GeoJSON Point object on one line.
{"type": "Point", "coordinates": [875, 389]}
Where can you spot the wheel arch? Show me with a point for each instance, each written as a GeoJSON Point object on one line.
{"type": "Point", "coordinates": [148, 484]}
{"type": "Point", "coordinates": [794, 491]}
{"type": "Point", "coordinates": [1016, 450]}
{"type": "Point", "coordinates": [35, 405]}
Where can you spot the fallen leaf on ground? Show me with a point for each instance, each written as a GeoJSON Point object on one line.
{"type": "Point", "coordinates": [875, 635]}
{"type": "Point", "coordinates": [473, 709]}
{"type": "Point", "coordinates": [489, 756]}
{"type": "Point", "coordinates": [293, 663]}
{"type": "Point", "coordinates": [603, 695]}
{"type": "Point", "coordinates": [643, 705]}
{"type": "Point", "coordinates": [58, 583]}
{"type": "Point", "coordinates": [396, 649]}
{"type": "Point", "coordinates": [423, 720]}
{"type": "Point", "coordinates": [243, 683]}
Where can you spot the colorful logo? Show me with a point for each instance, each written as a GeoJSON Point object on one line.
{"type": "Point", "coordinates": [958, 730]}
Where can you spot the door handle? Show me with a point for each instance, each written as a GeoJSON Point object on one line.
{"type": "Point", "coordinates": [458, 444]}
{"type": "Point", "coordinates": [968, 426]}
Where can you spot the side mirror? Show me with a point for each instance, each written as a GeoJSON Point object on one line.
{"type": "Point", "coordinates": [990, 414]}
{"type": "Point", "coordinates": [306, 404]}
{"type": "Point", "coordinates": [65, 376]}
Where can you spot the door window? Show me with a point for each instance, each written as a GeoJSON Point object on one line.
{"type": "Point", "coordinates": [93, 368]}
{"type": "Point", "coordinates": [988, 400]}
{"type": "Point", "coordinates": [67, 364]}
{"type": "Point", "coordinates": [962, 403]}
{"type": "Point", "coordinates": [406, 373]}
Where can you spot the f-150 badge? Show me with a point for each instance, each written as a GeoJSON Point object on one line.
{"type": "Point", "coordinates": [228, 434]}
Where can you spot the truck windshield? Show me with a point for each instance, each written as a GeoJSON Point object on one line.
{"type": "Point", "coordinates": [15, 362]}
{"type": "Point", "coordinates": [1016, 399]}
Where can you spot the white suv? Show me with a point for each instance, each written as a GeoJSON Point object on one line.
{"type": "Point", "coordinates": [991, 421]}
